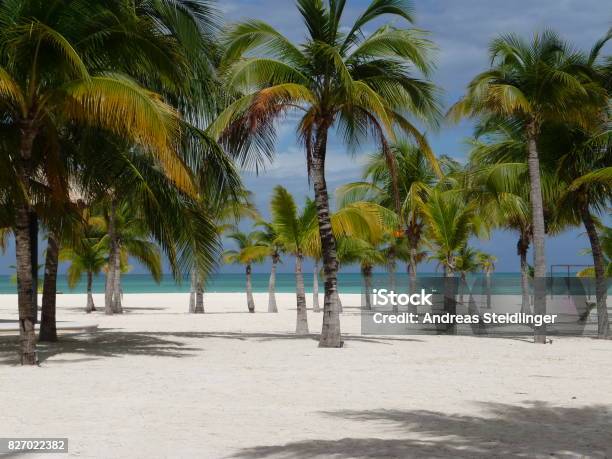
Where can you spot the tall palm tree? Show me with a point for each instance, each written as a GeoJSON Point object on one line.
{"type": "Point", "coordinates": [293, 228]}
{"type": "Point", "coordinates": [46, 73]}
{"type": "Point", "coordinates": [249, 251]}
{"type": "Point", "coordinates": [534, 83]}
{"type": "Point", "coordinates": [359, 83]}
{"type": "Point", "coordinates": [587, 172]}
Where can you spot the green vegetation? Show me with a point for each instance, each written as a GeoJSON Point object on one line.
{"type": "Point", "coordinates": [125, 126]}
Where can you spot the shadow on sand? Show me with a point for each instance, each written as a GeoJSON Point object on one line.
{"type": "Point", "coordinates": [113, 343]}
{"type": "Point", "coordinates": [535, 429]}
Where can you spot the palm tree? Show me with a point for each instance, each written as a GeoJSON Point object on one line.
{"type": "Point", "coordinates": [46, 73]}
{"type": "Point", "coordinates": [587, 172]}
{"type": "Point", "coordinates": [292, 229]}
{"type": "Point", "coordinates": [249, 251]}
{"type": "Point", "coordinates": [500, 184]}
{"type": "Point", "coordinates": [226, 205]}
{"type": "Point", "coordinates": [450, 221]}
{"type": "Point", "coordinates": [467, 262]}
{"type": "Point", "coordinates": [356, 82]}
{"type": "Point", "coordinates": [126, 235]}
{"type": "Point", "coordinates": [415, 178]}
{"type": "Point", "coordinates": [534, 83]}
{"type": "Point", "coordinates": [354, 250]}
{"type": "Point", "coordinates": [270, 238]}
{"type": "Point", "coordinates": [88, 255]}
{"type": "Point", "coordinates": [487, 262]}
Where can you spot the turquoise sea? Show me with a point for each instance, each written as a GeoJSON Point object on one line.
{"type": "Point", "coordinates": [285, 282]}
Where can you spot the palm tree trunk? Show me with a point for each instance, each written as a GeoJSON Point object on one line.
{"type": "Point", "coordinates": [25, 292]}
{"type": "Point", "coordinates": [27, 272]}
{"type": "Point", "coordinates": [488, 288]}
{"type": "Point", "coordinates": [199, 295]}
{"type": "Point", "coordinates": [537, 215]}
{"type": "Point", "coordinates": [272, 286]}
{"type": "Point", "coordinates": [413, 235]}
{"type": "Point", "coordinates": [249, 289]}
{"type": "Point", "coordinates": [392, 269]}
{"type": "Point", "coordinates": [315, 287]}
{"type": "Point", "coordinates": [601, 290]}
{"type": "Point", "coordinates": [48, 329]}
{"type": "Point", "coordinates": [192, 290]}
{"type": "Point", "coordinates": [366, 272]}
{"type": "Point", "coordinates": [33, 228]}
{"type": "Point", "coordinates": [117, 293]}
{"type": "Point", "coordinates": [301, 325]}
{"type": "Point", "coordinates": [90, 302]}
{"type": "Point", "coordinates": [110, 272]}
{"type": "Point", "coordinates": [330, 332]}
{"type": "Point", "coordinates": [450, 304]}
{"type": "Point", "coordinates": [522, 247]}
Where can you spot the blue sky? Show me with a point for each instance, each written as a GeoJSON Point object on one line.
{"type": "Point", "coordinates": [462, 31]}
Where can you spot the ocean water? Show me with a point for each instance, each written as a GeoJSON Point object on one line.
{"type": "Point", "coordinates": [503, 283]}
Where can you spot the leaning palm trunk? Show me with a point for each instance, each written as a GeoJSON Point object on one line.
{"type": "Point", "coordinates": [601, 293]}
{"type": "Point", "coordinates": [117, 292]}
{"type": "Point", "coordinates": [537, 215]}
{"type": "Point", "coordinates": [330, 332]}
{"type": "Point", "coordinates": [48, 329]}
{"type": "Point", "coordinates": [199, 295]}
{"type": "Point", "coordinates": [315, 287]}
{"type": "Point", "coordinates": [272, 286]}
{"type": "Point", "coordinates": [366, 272]}
{"type": "Point", "coordinates": [90, 302]}
{"type": "Point", "coordinates": [522, 247]}
{"type": "Point", "coordinates": [301, 325]}
{"type": "Point", "coordinates": [249, 290]}
{"type": "Point", "coordinates": [25, 292]}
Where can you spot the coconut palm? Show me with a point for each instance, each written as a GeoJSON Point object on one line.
{"type": "Point", "coordinates": [226, 206]}
{"type": "Point", "coordinates": [467, 262]}
{"type": "Point", "coordinates": [486, 262]}
{"type": "Point", "coordinates": [249, 251]}
{"type": "Point", "coordinates": [356, 82]}
{"type": "Point", "coordinates": [49, 81]}
{"type": "Point", "coordinates": [293, 228]}
{"type": "Point", "coordinates": [367, 255]}
{"type": "Point", "coordinates": [88, 254]}
{"type": "Point", "coordinates": [450, 221]}
{"type": "Point", "coordinates": [126, 235]}
{"type": "Point", "coordinates": [415, 178]}
{"type": "Point", "coordinates": [586, 169]}
{"type": "Point", "coordinates": [270, 237]}
{"type": "Point", "coordinates": [534, 83]}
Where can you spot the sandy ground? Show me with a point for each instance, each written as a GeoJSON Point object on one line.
{"type": "Point", "coordinates": [158, 382]}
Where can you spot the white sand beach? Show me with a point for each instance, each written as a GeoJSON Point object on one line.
{"type": "Point", "coordinates": [158, 382]}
